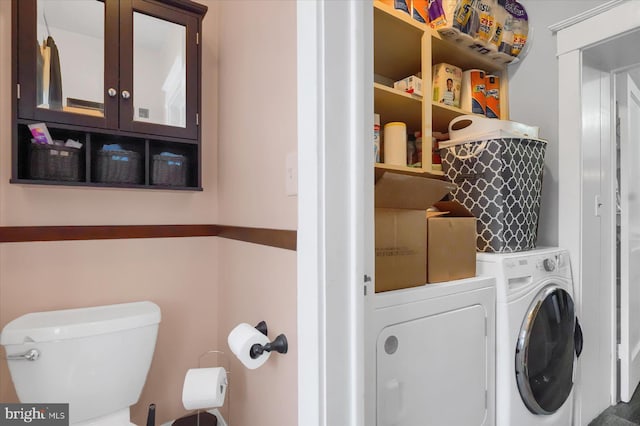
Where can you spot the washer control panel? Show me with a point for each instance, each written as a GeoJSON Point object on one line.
{"type": "Point", "coordinates": [555, 263]}
{"type": "Point", "coordinates": [549, 264]}
{"type": "Point", "coordinates": [535, 266]}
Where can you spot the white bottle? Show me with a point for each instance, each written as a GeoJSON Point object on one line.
{"type": "Point", "coordinates": [395, 143]}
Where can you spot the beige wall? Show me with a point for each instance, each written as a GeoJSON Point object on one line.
{"type": "Point", "coordinates": [180, 274]}
{"type": "Point", "coordinates": [176, 274]}
{"type": "Point", "coordinates": [204, 286]}
{"type": "Point", "coordinates": [257, 130]}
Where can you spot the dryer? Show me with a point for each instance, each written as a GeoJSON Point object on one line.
{"type": "Point", "coordinates": [538, 337]}
{"type": "Point", "coordinates": [431, 355]}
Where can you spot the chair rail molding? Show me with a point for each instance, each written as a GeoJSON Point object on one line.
{"type": "Point", "coordinates": [278, 238]}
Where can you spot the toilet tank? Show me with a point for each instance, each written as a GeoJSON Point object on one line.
{"type": "Point", "coordinates": [96, 359]}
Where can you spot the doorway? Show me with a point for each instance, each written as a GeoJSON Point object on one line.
{"type": "Point", "coordinates": [591, 65]}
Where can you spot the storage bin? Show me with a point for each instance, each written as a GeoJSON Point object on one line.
{"type": "Point", "coordinates": [169, 170]}
{"type": "Point", "coordinates": [118, 166]}
{"type": "Point", "coordinates": [54, 162]}
{"type": "Point", "coordinates": [500, 181]}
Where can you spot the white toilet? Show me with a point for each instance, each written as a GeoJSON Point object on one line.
{"type": "Point", "coordinates": [96, 359]}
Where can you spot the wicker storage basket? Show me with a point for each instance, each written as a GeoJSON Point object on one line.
{"type": "Point", "coordinates": [54, 162]}
{"type": "Point", "coordinates": [169, 170]}
{"type": "Point", "coordinates": [118, 166]}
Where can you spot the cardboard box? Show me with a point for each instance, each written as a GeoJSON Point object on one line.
{"type": "Point", "coordinates": [401, 248]}
{"type": "Point", "coordinates": [401, 228]}
{"type": "Point", "coordinates": [451, 242]}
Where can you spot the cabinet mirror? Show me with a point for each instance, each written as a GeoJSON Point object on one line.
{"type": "Point", "coordinates": [159, 71]}
{"type": "Point", "coordinates": [70, 56]}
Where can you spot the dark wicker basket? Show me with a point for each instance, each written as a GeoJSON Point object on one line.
{"type": "Point", "coordinates": [169, 170]}
{"type": "Point", "coordinates": [118, 167]}
{"type": "Point", "coordinates": [54, 162]}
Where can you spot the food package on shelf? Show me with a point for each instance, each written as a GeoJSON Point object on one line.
{"type": "Point", "coordinates": [514, 23]}
{"type": "Point", "coordinates": [519, 26]}
{"type": "Point", "coordinates": [411, 84]}
{"type": "Point", "coordinates": [420, 10]}
{"type": "Point", "coordinates": [402, 5]}
{"type": "Point", "coordinates": [447, 79]}
{"type": "Point", "coordinates": [460, 20]}
{"type": "Point", "coordinates": [498, 28]}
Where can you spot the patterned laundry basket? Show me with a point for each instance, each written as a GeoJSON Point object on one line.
{"type": "Point", "coordinates": [499, 180]}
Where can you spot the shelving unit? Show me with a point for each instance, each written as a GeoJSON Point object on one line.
{"type": "Point", "coordinates": [405, 47]}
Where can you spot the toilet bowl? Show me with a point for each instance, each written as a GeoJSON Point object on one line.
{"type": "Point", "coordinates": [95, 359]}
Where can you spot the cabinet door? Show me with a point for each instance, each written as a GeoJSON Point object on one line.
{"type": "Point", "coordinates": [68, 61]}
{"type": "Point", "coordinates": [159, 69]}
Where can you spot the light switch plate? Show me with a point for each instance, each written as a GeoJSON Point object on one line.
{"type": "Point", "coordinates": [291, 170]}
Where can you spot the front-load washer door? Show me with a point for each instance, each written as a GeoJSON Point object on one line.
{"type": "Point", "coordinates": [545, 351]}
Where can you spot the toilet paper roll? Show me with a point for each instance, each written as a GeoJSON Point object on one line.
{"type": "Point", "coordinates": [204, 388]}
{"type": "Point", "coordinates": [240, 340]}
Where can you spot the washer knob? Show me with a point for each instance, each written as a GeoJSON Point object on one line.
{"type": "Point", "coordinates": [549, 265]}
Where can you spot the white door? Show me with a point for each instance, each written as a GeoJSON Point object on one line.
{"type": "Point", "coordinates": [629, 109]}
{"type": "Point", "coordinates": [428, 366]}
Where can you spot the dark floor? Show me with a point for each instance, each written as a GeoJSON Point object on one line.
{"type": "Point", "coordinates": [622, 414]}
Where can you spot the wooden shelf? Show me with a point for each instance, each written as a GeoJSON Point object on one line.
{"type": "Point", "coordinates": [450, 52]}
{"type": "Point", "coordinates": [443, 114]}
{"type": "Point", "coordinates": [397, 41]}
{"type": "Point", "coordinates": [405, 47]}
{"type": "Point", "coordinates": [103, 185]}
{"type": "Point", "coordinates": [394, 105]}
{"type": "Point", "coordinates": [108, 132]}
{"type": "Point", "coordinates": [435, 174]}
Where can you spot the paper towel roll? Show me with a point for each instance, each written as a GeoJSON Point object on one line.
{"type": "Point", "coordinates": [204, 388]}
{"type": "Point", "coordinates": [240, 340]}
{"type": "Point", "coordinates": [472, 93]}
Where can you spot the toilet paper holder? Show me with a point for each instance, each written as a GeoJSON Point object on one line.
{"type": "Point", "coordinates": [279, 344]}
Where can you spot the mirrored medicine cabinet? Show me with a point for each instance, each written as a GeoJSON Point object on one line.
{"type": "Point", "coordinates": [117, 85]}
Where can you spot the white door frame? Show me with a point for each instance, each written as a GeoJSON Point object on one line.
{"type": "Point", "coordinates": [585, 190]}
{"type": "Point", "coordinates": [335, 206]}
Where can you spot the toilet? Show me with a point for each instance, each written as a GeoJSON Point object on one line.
{"type": "Point", "coordinates": [96, 359]}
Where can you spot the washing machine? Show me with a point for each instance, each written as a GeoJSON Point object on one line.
{"type": "Point", "coordinates": [431, 355]}
{"type": "Point", "coordinates": [538, 337]}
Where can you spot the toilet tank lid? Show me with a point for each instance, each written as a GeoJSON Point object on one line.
{"type": "Point", "coordinates": [82, 322]}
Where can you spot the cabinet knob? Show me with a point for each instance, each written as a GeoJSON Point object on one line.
{"type": "Point", "coordinates": [126, 94]}
{"type": "Point", "coordinates": [112, 92]}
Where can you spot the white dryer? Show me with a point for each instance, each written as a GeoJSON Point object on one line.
{"type": "Point", "coordinates": [538, 337]}
{"type": "Point", "coordinates": [431, 355]}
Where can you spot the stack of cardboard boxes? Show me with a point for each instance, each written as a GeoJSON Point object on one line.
{"type": "Point", "coordinates": [415, 246]}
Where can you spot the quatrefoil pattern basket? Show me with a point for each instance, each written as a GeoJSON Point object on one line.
{"type": "Point", "coordinates": [500, 182]}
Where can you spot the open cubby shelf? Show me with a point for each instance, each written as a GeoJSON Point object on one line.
{"type": "Point", "coordinates": [91, 161]}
